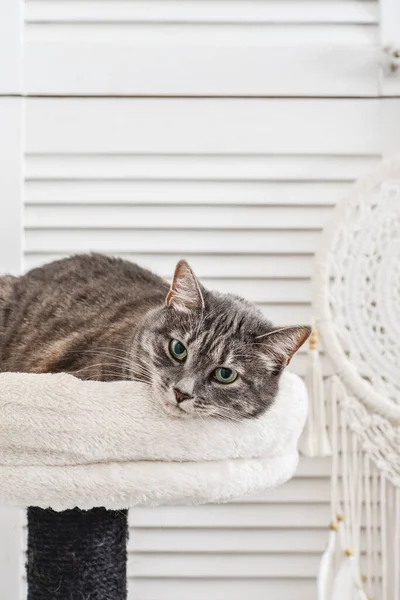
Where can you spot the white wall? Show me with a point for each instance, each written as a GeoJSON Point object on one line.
{"type": "Point", "coordinates": [239, 185]}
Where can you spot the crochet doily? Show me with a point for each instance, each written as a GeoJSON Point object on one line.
{"type": "Point", "coordinates": [357, 285]}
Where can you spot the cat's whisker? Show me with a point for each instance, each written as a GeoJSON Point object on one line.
{"type": "Point", "coordinates": [234, 410]}
{"type": "Point", "coordinates": [113, 373]}
{"type": "Point", "coordinates": [100, 352]}
{"type": "Point", "coordinates": [122, 362]}
{"type": "Point", "coordinates": [141, 380]}
{"type": "Point", "coordinates": [144, 369]}
{"type": "Point", "coordinates": [142, 376]}
{"type": "Point", "coordinates": [143, 373]}
{"type": "Point", "coordinates": [118, 376]}
{"type": "Point", "coordinates": [145, 377]}
{"type": "Point", "coordinates": [95, 378]}
{"type": "Point", "coordinates": [142, 365]}
{"type": "Point", "coordinates": [230, 415]}
{"type": "Point", "coordinates": [202, 418]}
{"type": "Point", "coordinates": [92, 366]}
{"type": "Point", "coordinates": [124, 359]}
{"type": "Point", "coordinates": [228, 419]}
{"type": "Point", "coordinates": [108, 349]}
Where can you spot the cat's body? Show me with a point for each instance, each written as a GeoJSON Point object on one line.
{"type": "Point", "coordinates": [59, 317]}
{"type": "Point", "coordinates": [103, 318]}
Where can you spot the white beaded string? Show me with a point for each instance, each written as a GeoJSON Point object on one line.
{"type": "Point", "coordinates": [358, 475]}
{"type": "Point", "coordinates": [345, 479]}
{"type": "Point", "coordinates": [368, 520]}
{"type": "Point", "coordinates": [383, 509]}
{"type": "Point", "coordinates": [375, 531]}
{"type": "Point", "coordinates": [352, 493]}
{"type": "Point", "coordinates": [396, 553]}
{"type": "Point", "coordinates": [336, 516]}
{"type": "Point", "coordinates": [355, 505]}
{"type": "Point", "coordinates": [332, 390]}
{"type": "Point", "coordinates": [390, 519]}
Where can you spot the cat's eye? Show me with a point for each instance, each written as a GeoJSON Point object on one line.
{"type": "Point", "coordinates": [177, 350]}
{"type": "Point", "coordinates": [225, 375]}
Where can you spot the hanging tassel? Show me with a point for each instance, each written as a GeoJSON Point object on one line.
{"type": "Point", "coordinates": [396, 540]}
{"type": "Point", "coordinates": [327, 566]}
{"type": "Point", "coordinates": [345, 585]}
{"type": "Point", "coordinates": [314, 441]}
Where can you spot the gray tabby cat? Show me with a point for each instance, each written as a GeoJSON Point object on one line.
{"type": "Point", "coordinates": [204, 353]}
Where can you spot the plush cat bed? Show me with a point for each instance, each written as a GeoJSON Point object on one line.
{"type": "Point", "coordinates": [66, 443]}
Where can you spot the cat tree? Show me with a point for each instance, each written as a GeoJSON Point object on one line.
{"type": "Point", "coordinates": [79, 453]}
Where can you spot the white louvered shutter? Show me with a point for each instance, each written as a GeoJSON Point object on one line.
{"type": "Point", "coordinates": [267, 110]}
{"type": "Point", "coordinates": [201, 47]}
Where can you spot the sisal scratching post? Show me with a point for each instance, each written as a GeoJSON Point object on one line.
{"type": "Point", "coordinates": [76, 554]}
{"type": "Point", "coordinates": [69, 445]}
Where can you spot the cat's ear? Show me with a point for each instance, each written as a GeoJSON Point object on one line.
{"type": "Point", "coordinates": [279, 346]}
{"type": "Point", "coordinates": [185, 292]}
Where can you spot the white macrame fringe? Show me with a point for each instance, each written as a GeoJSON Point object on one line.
{"type": "Point", "coordinates": [365, 504]}
{"type": "Point", "coordinates": [314, 441]}
{"type": "Point", "coordinates": [326, 566]}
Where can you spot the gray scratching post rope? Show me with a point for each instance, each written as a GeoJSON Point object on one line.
{"type": "Point", "coordinates": [77, 554]}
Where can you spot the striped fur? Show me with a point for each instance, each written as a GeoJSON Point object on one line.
{"type": "Point", "coordinates": [106, 319]}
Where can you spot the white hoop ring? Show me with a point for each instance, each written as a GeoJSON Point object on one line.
{"type": "Point", "coordinates": [320, 287]}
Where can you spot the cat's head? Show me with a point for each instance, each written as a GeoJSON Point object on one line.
{"type": "Point", "coordinates": [212, 354]}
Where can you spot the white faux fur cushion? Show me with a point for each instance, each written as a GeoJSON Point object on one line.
{"type": "Point", "coordinates": [66, 442]}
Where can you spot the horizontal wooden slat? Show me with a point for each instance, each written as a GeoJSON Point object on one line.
{"type": "Point", "coordinates": [227, 565]}
{"type": "Point", "coordinates": [219, 589]}
{"type": "Point", "coordinates": [298, 489]}
{"type": "Point", "coordinates": [258, 290]}
{"type": "Point", "coordinates": [263, 291]}
{"type": "Point", "coordinates": [314, 467]}
{"type": "Point", "coordinates": [233, 515]}
{"type": "Point", "coordinates": [208, 265]}
{"type": "Point", "coordinates": [287, 313]}
{"type": "Point", "coordinates": [202, 11]}
{"type": "Point", "coordinates": [146, 540]}
{"type": "Point", "coordinates": [214, 589]}
{"type": "Point", "coordinates": [170, 240]}
{"type": "Point", "coordinates": [213, 126]}
{"type": "Point", "coordinates": [194, 168]}
{"type": "Point", "coordinates": [105, 192]}
{"type": "Point", "coordinates": [215, 541]}
{"type": "Point", "coordinates": [300, 363]}
{"type": "Point", "coordinates": [116, 216]}
{"type": "Point", "coordinates": [133, 36]}
{"type": "Point", "coordinates": [192, 60]}
{"type": "Point", "coordinates": [237, 516]}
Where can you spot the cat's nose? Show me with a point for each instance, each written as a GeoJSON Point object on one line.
{"type": "Point", "coordinates": [181, 396]}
